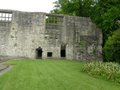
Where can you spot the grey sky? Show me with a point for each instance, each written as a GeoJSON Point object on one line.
{"type": "Point", "coordinates": [28, 5]}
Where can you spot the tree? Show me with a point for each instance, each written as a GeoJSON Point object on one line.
{"type": "Point", "coordinates": [105, 15]}
{"type": "Point", "coordinates": [112, 47]}
{"type": "Point", "coordinates": [74, 7]}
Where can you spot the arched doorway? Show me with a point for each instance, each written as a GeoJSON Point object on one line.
{"type": "Point", "coordinates": [39, 53]}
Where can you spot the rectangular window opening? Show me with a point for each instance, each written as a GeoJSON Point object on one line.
{"type": "Point", "coordinates": [49, 54]}
{"type": "Point", "coordinates": [5, 17]}
{"type": "Point", "coordinates": [54, 22]}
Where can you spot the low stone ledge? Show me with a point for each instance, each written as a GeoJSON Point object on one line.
{"type": "Point", "coordinates": [3, 67]}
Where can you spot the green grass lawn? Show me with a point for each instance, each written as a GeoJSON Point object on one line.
{"type": "Point", "coordinates": [51, 75]}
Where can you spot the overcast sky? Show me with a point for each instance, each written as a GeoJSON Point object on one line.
{"type": "Point", "coordinates": [28, 5]}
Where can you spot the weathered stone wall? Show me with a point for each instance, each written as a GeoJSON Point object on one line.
{"type": "Point", "coordinates": [27, 31]}
{"type": "Point", "coordinates": [84, 38]}
{"type": "Point", "coordinates": [4, 33]}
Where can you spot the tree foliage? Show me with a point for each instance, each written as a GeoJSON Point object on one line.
{"type": "Point", "coordinates": [112, 47]}
{"type": "Point", "coordinates": [74, 7]}
{"type": "Point", "coordinates": [105, 15]}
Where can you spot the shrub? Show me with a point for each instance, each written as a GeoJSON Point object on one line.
{"type": "Point", "coordinates": [109, 70]}
{"type": "Point", "coordinates": [112, 47]}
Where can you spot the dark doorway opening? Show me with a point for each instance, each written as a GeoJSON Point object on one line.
{"type": "Point", "coordinates": [39, 53]}
{"type": "Point", "coordinates": [63, 51]}
{"type": "Point", "coordinates": [49, 54]}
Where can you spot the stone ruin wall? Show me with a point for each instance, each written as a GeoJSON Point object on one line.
{"type": "Point", "coordinates": [21, 33]}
